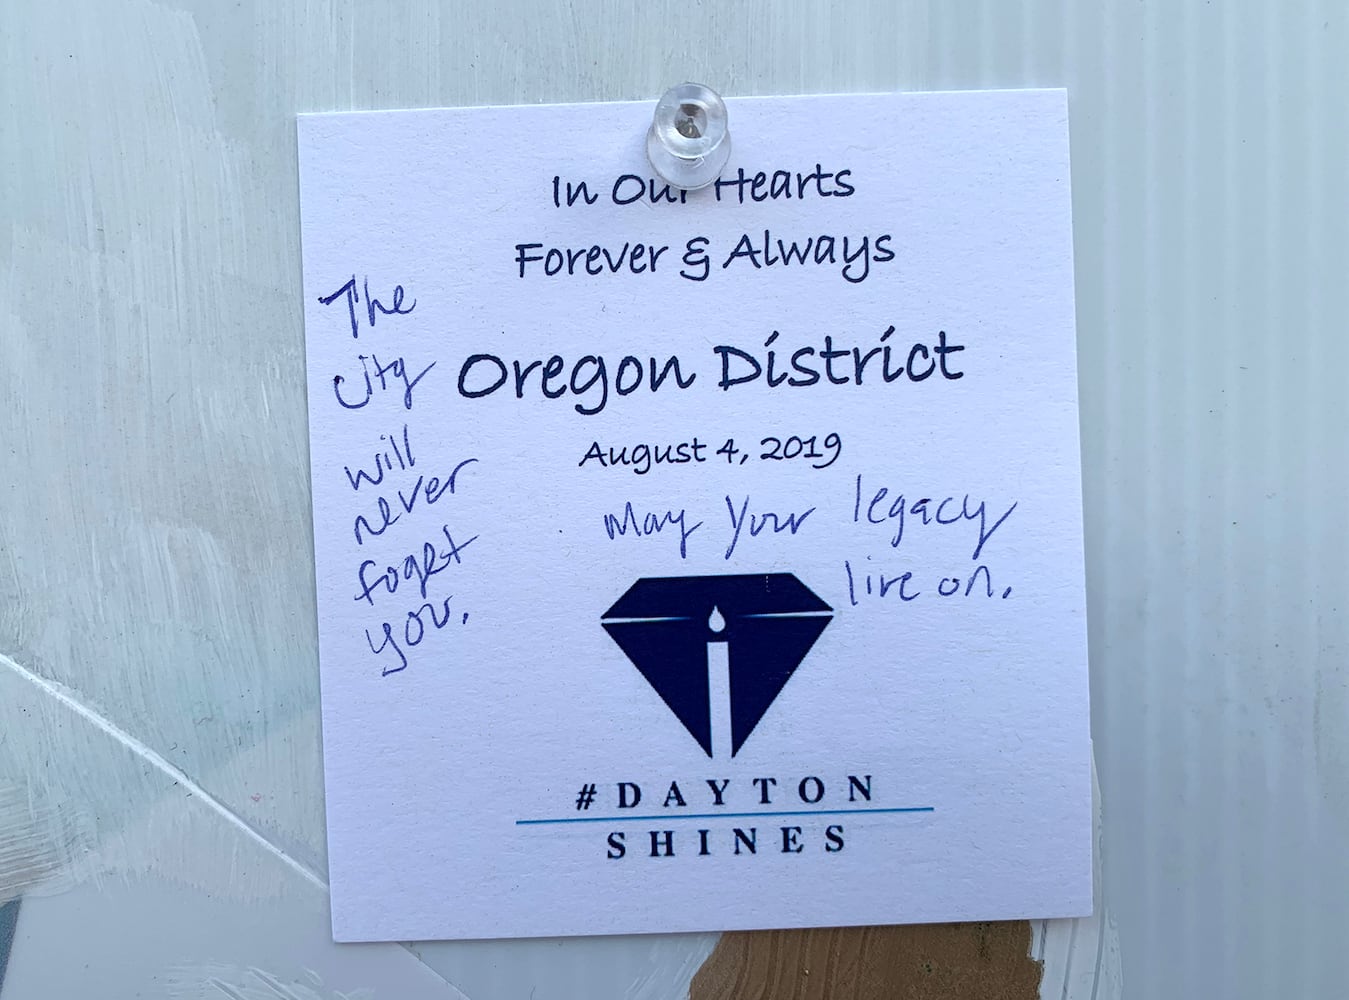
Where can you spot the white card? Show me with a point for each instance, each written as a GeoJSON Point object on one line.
{"type": "Point", "coordinates": [697, 562]}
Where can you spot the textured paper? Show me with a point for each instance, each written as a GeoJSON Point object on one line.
{"type": "Point", "coordinates": [587, 528]}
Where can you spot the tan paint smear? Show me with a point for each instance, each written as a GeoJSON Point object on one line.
{"type": "Point", "coordinates": [980, 961]}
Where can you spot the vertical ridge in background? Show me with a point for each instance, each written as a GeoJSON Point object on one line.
{"type": "Point", "coordinates": [1270, 504]}
{"type": "Point", "coordinates": [1157, 412]}
{"type": "Point", "coordinates": [1119, 601]}
{"type": "Point", "coordinates": [1202, 466]}
{"type": "Point", "coordinates": [1315, 418]}
{"type": "Point", "coordinates": [1220, 658]}
{"type": "Point", "coordinates": [1186, 361]}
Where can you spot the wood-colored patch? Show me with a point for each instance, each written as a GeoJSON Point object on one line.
{"type": "Point", "coordinates": [980, 961]}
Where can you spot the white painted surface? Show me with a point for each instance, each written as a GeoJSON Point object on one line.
{"type": "Point", "coordinates": [154, 542]}
{"type": "Point", "coordinates": [1081, 958]}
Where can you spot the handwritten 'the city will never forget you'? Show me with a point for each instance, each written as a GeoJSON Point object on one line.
{"type": "Point", "coordinates": [706, 560]}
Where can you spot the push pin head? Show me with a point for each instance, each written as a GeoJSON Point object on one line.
{"type": "Point", "coordinates": [689, 143]}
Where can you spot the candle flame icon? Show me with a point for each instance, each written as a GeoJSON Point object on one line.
{"type": "Point", "coordinates": [716, 624]}
{"type": "Point", "coordinates": [667, 625]}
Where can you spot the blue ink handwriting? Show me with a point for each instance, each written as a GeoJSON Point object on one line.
{"type": "Point", "coordinates": [440, 617]}
{"type": "Point", "coordinates": [759, 522]}
{"type": "Point", "coordinates": [865, 583]}
{"type": "Point", "coordinates": [649, 524]}
{"type": "Point", "coordinates": [396, 368]}
{"type": "Point", "coordinates": [428, 489]}
{"type": "Point", "coordinates": [874, 510]}
{"type": "Point", "coordinates": [383, 463]}
{"type": "Point", "coordinates": [373, 306]}
{"type": "Point", "coordinates": [421, 566]}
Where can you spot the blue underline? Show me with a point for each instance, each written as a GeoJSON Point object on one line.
{"type": "Point", "coordinates": [664, 817]}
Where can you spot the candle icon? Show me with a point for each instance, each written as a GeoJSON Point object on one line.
{"type": "Point", "coordinates": [719, 683]}
{"type": "Point", "coordinates": [718, 649]}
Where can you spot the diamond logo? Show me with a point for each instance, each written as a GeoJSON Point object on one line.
{"type": "Point", "coordinates": [667, 627]}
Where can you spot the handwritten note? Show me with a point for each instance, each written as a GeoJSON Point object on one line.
{"type": "Point", "coordinates": [697, 561]}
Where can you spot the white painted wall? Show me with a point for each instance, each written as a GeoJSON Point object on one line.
{"type": "Point", "coordinates": [160, 793]}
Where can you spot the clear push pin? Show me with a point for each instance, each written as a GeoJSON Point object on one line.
{"type": "Point", "coordinates": [689, 142]}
